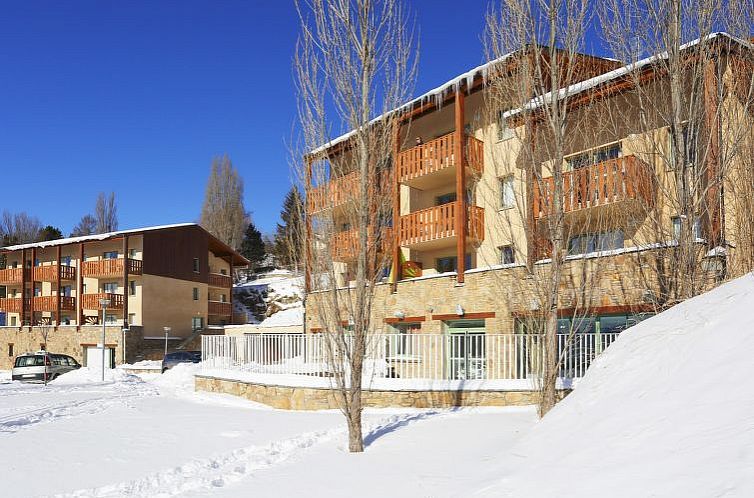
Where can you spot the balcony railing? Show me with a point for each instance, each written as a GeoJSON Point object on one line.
{"type": "Point", "coordinates": [439, 222]}
{"type": "Point", "coordinates": [49, 273]}
{"type": "Point", "coordinates": [111, 267]}
{"type": "Point", "coordinates": [437, 155]}
{"type": "Point", "coordinates": [49, 303]}
{"type": "Point", "coordinates": [11, 304]}
{"type": "Point", "coordinates": [344, 245]}
{"type": "Point", "coordinates": [219, 280]}
{"type": "Point", "coordinates": [608, 182]}
{"type": "Point", "coordinates": [218, 308]}
{"type": "Point", "coordinates": [11, 276]}
{"type": "Point", "coordinates": [333, 193]}
{"type": "Point", "coordinates": [91, 301]}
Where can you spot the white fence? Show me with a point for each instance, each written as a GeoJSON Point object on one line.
{"type": "Point", "coordinates": [404, 356]}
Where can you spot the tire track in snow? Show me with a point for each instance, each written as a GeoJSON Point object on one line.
{"type": "Point", "coordinates": [214, 472]}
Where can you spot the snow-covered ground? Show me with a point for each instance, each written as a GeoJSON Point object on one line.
{"type": "Point", "coordinates": [152, 435]}
{"type": "Point", "coordinates": [667, 411]}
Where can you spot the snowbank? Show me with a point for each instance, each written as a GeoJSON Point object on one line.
{"type": "Point", "coordinates": [143, 365]}
{"type": "Point", "coordinates": [665, 412]}
{"type": "Point", "coordinates": [180, 378]}
{"type": "Point", "coordinates": [86, 375]}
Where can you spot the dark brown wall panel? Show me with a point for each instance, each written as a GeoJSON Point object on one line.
{"type": "Point", "coordinates": [171, 253]}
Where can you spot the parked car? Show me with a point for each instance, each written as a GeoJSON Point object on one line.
{"type": "Point", "coordinates": [172, 359]}
{"type": "Point", "coordinates": [42, 366]}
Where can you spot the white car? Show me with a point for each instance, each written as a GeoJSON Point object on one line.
{"type": "Point", "coordinates": [42, 366]}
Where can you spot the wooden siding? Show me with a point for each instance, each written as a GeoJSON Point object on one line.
{"type": "Point", "coordinates": [170, 253]}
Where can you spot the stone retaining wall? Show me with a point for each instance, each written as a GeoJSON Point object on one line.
{"type": "Point", "coordinates": [312, 398]}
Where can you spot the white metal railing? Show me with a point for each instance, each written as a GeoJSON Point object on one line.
{"type": "Point", "coordinates": [404, 356]}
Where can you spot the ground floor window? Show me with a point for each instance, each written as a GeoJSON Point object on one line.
{"type": "Point", "coordinates": [595, 242]}
{"type": "Point", "coordinates": [467, 358]}
{"type": "Point", "coordinates": [403, 342]}
{"type": "Point", "coordinates": [450, 263]}
{"type": "Point", "coordinates": [197, 323]}
{"type": "Point", "coordinates": [111, 319]}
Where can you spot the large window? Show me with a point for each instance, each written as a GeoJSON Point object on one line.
{"type": "Point", "coordinates": [677, 223]}
{"type": "Point", "coordinates": [507, 192]}
{"type": "Point", "coordinates": [595, 242]}
{"type": "Point", "coordinates": [110, 255]}
{"type": "Point", "coordinates": [450, 263]}
{"type": "Point", "coordinates": [594, 156]}
{"type": "Point", "coordinates": [445, 199]}
{"type": "Point", "coordinates": [507, 255]}
{"type": "Point", "coordinates": [110, 287]}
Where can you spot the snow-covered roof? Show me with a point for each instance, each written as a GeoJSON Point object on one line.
{"type": "Point", "coordinates": [436, 94]}
{"type": "Point", "coordinates": [285, 318]}
{"type": "Point", "coordinates": [590, 83]}
{"type": "Point", "coordinates": [88, 238]}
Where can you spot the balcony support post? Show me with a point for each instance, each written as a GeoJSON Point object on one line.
{"type": "Point", "coordinates": [80, 290]}
{"type": "Point", "coordinates": [397, 270]}
{"type": "Point", "coordinates": [126, 288]}
{"type": "Point", "coordinates": [31, 299]}
{"type": "Point", "coordinates": [230, 291]}
{"type": "Point", "coordinates": [462, 214]}
{"type": "Point", "coordinates": [307, 227]}
{"type": "Point", "coordinates": [58, 297]}
{"type": "Point", "coordinates": [22, 311]}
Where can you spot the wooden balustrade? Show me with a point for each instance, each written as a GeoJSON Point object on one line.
{"type": "Point", "coordinates": [608, 182]}
{"type": "Point", "coordinates": [10, 304]}
{"type": "Point", "coordinates": [111, 267]}
{"type": "Point", "coordinates": [11, 276]}
{"type": "Point", "coordinates": [49, 303]}
{"type": "Point", "coordinates": [333, 193]}
{"type": "Point", "coordinates": [438, 222]}
{"type": "Point", "coordinates": [218, 308]}
{"type": "Point", "coordinates": [344, 245]}
{"type": "Point", "coordinates": [219, 280]}
{"type": "Point", "coordinates": [437, 155]}
{"type": "Point", "coordinates": [91, 301]}
{"type": "Point", "coordinates": [49, 273]}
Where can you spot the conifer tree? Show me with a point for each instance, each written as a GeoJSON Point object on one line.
{"type": "Point", "coordinates": [252, 247]}
{"type": "Point", "coordinates": [288, 238]}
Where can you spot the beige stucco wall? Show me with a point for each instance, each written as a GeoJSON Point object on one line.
{"type": "Point", "coordinates": [168, 302]}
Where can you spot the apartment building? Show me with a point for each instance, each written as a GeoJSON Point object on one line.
{"type": "Point", "coordinates": [469, 207]}
{"type": "Point", "coordinates": [176, 276]}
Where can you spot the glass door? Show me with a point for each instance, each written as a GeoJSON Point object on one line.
{"type": "Point", "coordinates": [467, 358]}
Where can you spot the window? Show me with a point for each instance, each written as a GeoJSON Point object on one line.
{"type": "Point", "coordinates": [196, 293]}
{"type": "Point", "coordinates": [132, 287]}
{"type": "Point", "coordinates": [223, 272]}
{"type": "Point", "coordinates": [110, 255]}
{"type": "Point", "coordinates": [445, 199]}
{"type": "Point", "coordinates": [595, 242]}
{"type": "Point", "coordinates": [111, 319]}
{"type": "Point", "coordinates": [37, 290]}
{"type": "Point", "coordinates": [10, 349]}
{"type": "Point", "coordinates": [507, 194]}
{"type": "Point", "coordinates": [403, 342]}
{"type": "Point", "coordinates": [110, 287]}
{"type": "Point", "coordinates": [36, 262]}
{"type": "Point", "coordinates": [677, 221]}
{"type": "Point", "coordinates": [503, 132]}
{"type": "Point", "coordinates": [65, 291]}
{"type": "Point", "coordinates": [66, 320]}
{"type": "Point", "coordinates": [593, 157]}
{"type": "Point", "coordinates": [689, 144]}
{"type": "Point", "coordinates": [196, 265]}
{"type": "Point", "coordinates": [13, 322]}
{"type": "Point", "coordinates": [132, 318]}
{"type": "Point", "coordinates": [507, 255]}
{"type": "Point", "coordinates": [197, 323]}
{"type": "Point", "coordinates": [223, 298]}
{"type": "Point", "coordinates": [450, 263]}
{"type": "Point", "coordinates": [132, 253]}
{"type": "Point", "coordinates": [65, 261]}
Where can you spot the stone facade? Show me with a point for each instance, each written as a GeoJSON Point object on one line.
{"type": "Point", "coordinates": [309, 398]}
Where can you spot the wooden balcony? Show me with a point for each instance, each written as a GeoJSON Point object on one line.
{"type": "Point", "coordinates": [49, 303]}
{"type": "Point", "coordinates": [433, 164]}
{"type": "Point", "coordinates": [332, 194]}
{"type": "Point", "coordinates": [11, 304]}
{"type": "Point", "coordinates": [219, 280]}
{"type": "Point", "coordinates": [622, 182]}
{"type": "Point", "coordinates": [91, 301]}
{"type": "Point", "coordinates": [49, 273]}
{"type": "Point", "coordinates": [218, 308]}
{"type": "Point", "coordinates": [11, 276]}
{"type": "Point", "coordinates": [436, 226]}
{"type": "Point", "coordinates": [344, 245]}
{"type": "Point", "coordinates": [111, 267]}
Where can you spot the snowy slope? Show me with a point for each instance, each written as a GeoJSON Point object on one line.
{"type": "Point", "coordinates": [667, 411]}
{"type": "Point", "coordinates": [263, 297]}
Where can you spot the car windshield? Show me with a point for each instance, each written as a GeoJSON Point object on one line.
{"type": "Point", "coordinates": [30, 361]}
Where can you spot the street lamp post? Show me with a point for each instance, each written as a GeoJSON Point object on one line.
{"type": "Point", "coordinates": [167, 332]}
{"type": "Point", "coordinates": [104, 303]}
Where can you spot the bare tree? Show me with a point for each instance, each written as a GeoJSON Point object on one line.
{"type": "Point", "coordinates": [355, 63]}
{"type": "Point", "coordinates": [693, 86]}
{"type": "Point", "coordinates": [105, 213]}
{"type": "Point", "coordinates": [86, 226]}
{"type": "Point", "coordinates": [223, 212]}
{"type": "Point", "coordinates": [19, 228]}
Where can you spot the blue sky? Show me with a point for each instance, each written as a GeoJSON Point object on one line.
{"type": "Point", "coordinates": [137, 97]}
